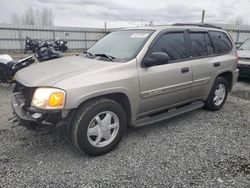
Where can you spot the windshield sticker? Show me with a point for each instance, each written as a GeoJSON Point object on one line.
{"type": "Point", "coordinates": [139, 35]}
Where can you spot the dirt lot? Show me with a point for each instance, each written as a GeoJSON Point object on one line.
{"type": "Point", "coordinates": [198, 149]}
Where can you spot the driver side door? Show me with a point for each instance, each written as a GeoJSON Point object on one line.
{"type": "Point", "coordinates": [166, 85]}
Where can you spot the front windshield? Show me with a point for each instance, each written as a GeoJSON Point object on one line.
{"type": "Point", "coordinates": [245, 45]}
{"type": "Point", "coordinates": [121, 45]}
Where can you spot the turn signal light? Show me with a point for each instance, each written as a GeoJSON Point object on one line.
{"type": "Point", "coordinates": [56, 99]}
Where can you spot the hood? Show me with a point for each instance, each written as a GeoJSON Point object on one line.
{"type": "Point", "coordinates": [244, 53]}
{"type": "Point", "coordinates": [50, 72]}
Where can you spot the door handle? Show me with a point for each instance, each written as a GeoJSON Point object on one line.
{"type": "Point", "coordinates": [217, 64]}
{"type": "Point", "coordinates": [184, 70]}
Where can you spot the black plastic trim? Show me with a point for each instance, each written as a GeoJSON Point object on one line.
{"type": "Point", "coordinates": [169, 114]}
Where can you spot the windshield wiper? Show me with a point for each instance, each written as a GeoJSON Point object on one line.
{"type": "Point", "coordinates": [89, 54]}
{"type": "Point", "coordinates": [111, 58]}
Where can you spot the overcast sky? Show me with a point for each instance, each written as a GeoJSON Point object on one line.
{"type": "Point", "coordinates": [122, 13]}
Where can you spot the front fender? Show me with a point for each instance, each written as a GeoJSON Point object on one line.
{"type": "Point", "coordinates": [73, 101]}
{"type": "Point", "coordinates": [99, 93]}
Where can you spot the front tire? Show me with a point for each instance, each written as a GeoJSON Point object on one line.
{"type": "Point", "coordinates": [98, 126]}
{"type": "Point", "coordinates": [217, 95]}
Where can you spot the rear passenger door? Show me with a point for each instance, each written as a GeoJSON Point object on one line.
{"type": "Point", "coordinates": [201, 53]}
{"type": "Point", "coordinates": [209, 52]}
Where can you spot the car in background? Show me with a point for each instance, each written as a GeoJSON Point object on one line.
{"type": "Point", "coordinates": [244, 59]}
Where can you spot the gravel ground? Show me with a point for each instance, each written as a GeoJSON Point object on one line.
{"type": "Point", "coordinates": [197, 149]}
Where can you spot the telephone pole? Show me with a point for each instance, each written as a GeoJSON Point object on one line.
{"type": "Point", "coordinates": [105, 27]}
{"type": "Point", "coordinates": [203, 16]}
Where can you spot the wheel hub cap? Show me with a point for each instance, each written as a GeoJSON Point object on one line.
{"type": "Point", "coordinates": [103, 129]}
{"type": "Point", "coordinates": [219, 94]}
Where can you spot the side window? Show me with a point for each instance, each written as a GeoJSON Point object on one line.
{"type": "Point", "coordinates": [221, 42]}
{"type": "Point", "coordinates": [210, 47]}
{"type": "Point", "coordinates": [173, 44]}
{"type": "Point", "coordinates": [199, 46]}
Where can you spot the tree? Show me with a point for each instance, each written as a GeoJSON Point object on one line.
{"type": "Point", "coordinates": [46, 17]}
{"type": "Point", "coordinates": [15, 19]}
{"type": "Point", "coordinates": [31, 17]}
{"type": "Point", "coordinates": [150, 23]}
{"type": "Point", "coordinates": [237, 21]}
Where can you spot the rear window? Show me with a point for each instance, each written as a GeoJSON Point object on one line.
{"type": "Point", "coordinates": [201, 44]}
{"type": "Point", "coordinates": [210, 47]}
{"type": "Point", "coordinates": [221, 42]}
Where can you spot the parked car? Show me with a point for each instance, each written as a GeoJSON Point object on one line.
{"type": "Point", "coordinates": [131, 77]}
{"type": "Point", "coordinates": [244, 59]}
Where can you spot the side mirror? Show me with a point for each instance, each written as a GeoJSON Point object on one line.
{"type": "Point", "coordinates": [237, 46]}
{"type": "Point", "coordinates": [155, 58]}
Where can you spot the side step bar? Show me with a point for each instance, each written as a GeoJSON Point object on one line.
{"type": "Point", "coordinates": [169, 114]}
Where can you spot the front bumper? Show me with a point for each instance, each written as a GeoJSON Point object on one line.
{"type": "Point", "coordinates": [34, 118]}
{"type": "Point", "coordinates": [244, 69]}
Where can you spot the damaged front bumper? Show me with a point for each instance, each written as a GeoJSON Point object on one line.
{"type": "Point", "coordinates": [34, 118]}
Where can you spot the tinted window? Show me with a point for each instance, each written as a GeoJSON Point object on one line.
{"type": "Point", "coordinates": [221, 42]}
{"type": "Point", "coordinates": [198, 42]}
{"type": "Point", "coordinates": [210, 47]}
{"type": "Point", "coordinates": [173, 44]}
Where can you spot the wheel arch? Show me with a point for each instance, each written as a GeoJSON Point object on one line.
{"type": "Point", "coordinates": [228, 75]}
{"type": "Point", "coordinates": [119, 97]}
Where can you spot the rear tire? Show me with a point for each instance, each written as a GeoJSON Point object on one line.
{"type": "Point", "coordinates": [217, 95]}
{"type": "Point", "coordinates": [98, 126]}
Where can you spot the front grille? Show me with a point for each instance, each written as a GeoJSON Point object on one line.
{"type": "Point", "coordinates": [244, 59]}
{"type": "Point", "coordinates": [244, 70]}
{"type": "Point", "coordinates": [23, 94]}
{"type": "Point", "coordinates": [240, 65]}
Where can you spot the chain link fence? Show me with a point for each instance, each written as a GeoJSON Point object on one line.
{"type": "Point", "coordinates": [12, 37]}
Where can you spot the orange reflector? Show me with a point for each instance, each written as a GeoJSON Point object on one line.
{"type": "Point", "coordinates": [56, 99]}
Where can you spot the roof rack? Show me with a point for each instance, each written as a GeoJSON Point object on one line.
{"type": "Point", "coordinates": [197, 24]}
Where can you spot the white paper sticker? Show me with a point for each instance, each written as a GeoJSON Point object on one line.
{"type": "Point", "coordinates": [139, 35]}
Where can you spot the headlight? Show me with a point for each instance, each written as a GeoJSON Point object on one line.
{"type": "Point", "coordinates": [48, 98]}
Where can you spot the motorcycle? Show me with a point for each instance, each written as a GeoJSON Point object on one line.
{"type": "Point", "coordinates": [60, 45]}
{"type": "Point", "coordinates": [31, 45]}
{"type": "Point", "coordinates": [8, 67]}
{"type": "Point", "coordinates": [46, 52]}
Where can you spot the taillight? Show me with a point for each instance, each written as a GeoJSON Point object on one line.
{"type": "Point", "coordinates": [237, 57]}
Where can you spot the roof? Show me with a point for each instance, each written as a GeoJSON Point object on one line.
{"type": "Point", "coordinates": [163, 27]}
